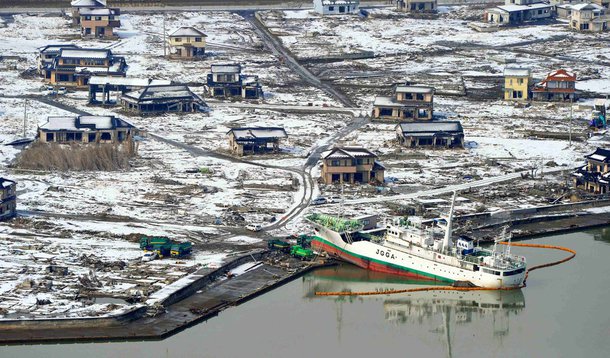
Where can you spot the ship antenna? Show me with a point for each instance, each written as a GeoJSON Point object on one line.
{"type": "Point", "coordinates": [448, 231]}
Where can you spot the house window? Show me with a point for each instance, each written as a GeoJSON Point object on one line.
{"type": "Point", "coordinates": [520, 81]}
{"type": "Point", "coordinates": [50, 137]}
{"type": "Point", "coordinates": [87, 17]}
{"type": "Point", "coordinates": [197, 39]}
{"type": "Point", "coordinates": [539, 12]}
{"type": "Point", "coordinates": [510, 82]}
{"type": "Point", "coordinates": [98, 18]}
{"type": "Point", "coordinates": [359, 162]}
{"type": "Point", "coordinates": [178, 39]}
{"type": "Point", "coordinates": [420, 97]}
{"type": "Point", "coordinates": [422, 113]}
{"type": "Point", "coordinates": [335, 163]}
{"type": "Point", "coordinates": [331, 8]}
{"type": "Point", "coordinates": [408, 96]}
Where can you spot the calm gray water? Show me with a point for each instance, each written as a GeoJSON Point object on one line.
{"type": "Point", "coordinates": [562, 313]}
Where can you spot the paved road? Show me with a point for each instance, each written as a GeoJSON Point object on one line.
{"type": "Point", "coordinates": [447, 189]}
{"type": "Point", "coordinates": [285, 107]}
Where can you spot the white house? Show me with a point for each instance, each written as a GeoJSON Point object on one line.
{"type": "Point", "coordinates": [334, 7]}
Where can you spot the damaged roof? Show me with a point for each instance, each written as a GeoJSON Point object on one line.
{"type": "Point", "coordinates": [160, 93]}
{"type": "Point", "coordinates": [84, 123]}
{"type": "Point", "coordinates": [85, 53]}
{"type": "Point", "coordinates": [600, 155]}
{"type": "Point", "coordinates": [88, 3]}
{"type": "Point", "coordinates": [5, 183]}
{"type": "Point", "coordinates": [430, 128]}
{"type": "Point", "coordinates": [99, 12]}
{"type": "Point", "coordinates": [348, 152]}
{"type": "Point", "coordinates": [248, 133]}
{"type": "Point", "coordinates": [124, 81]}
{"type": "Point", "coordinates": [226, 68]}
{"type": "Point", "coordinates": [414, 89]}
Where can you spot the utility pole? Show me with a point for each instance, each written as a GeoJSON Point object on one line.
{"type": "Point", "coordinates": [164, 42]}
{"type": "Point", "coordinates": [25, 115]}
{"type": "Point", "coordinates": [570, 126]}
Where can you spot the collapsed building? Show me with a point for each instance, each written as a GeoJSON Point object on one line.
{"type": "Point", "coordinates": [8, 199]}
{"type": "Point", "coordinates": [252, 140]}
{"type": "Point", "coordinates": [226, 80]}
{"type": "Point", "coordinates": [594, 177]}
{"type": "Point", "coordinates": [114, 87]}
{"type": "Point", "coordinates": [163, 98]}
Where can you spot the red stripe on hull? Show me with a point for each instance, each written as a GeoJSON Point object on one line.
{"type": "Point", "coordinates": [366, 264]}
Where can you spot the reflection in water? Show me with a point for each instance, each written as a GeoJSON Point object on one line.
{"type": "Point", "coordinates": [602, 235]}
{"type": "Point", "coordinates": [441, 311]}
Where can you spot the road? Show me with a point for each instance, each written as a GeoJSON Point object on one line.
{"type": "Point", "coordinates": [449, 189]}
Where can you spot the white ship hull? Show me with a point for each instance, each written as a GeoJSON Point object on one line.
{"type": "Point", "coordinates": [416, 262]}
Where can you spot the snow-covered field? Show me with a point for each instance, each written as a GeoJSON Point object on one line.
{"type": "Point", "coordinates": [90, 222]}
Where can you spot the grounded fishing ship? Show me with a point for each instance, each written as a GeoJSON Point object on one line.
{"type": "Point", "coordinates": [412, 248]}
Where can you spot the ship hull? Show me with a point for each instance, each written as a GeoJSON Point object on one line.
{"type": "Point", "coordinates": [376, 257]}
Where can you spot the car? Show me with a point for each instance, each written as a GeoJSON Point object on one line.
{"type": "Point", "coordinates": [319, 201]}
{"type": "Point", "coordinates": [49, 91]}
{"type": "Point", "coordinates": [334, 199]}
{"type": "Point", "coordinates": [254, 227]}
{"type": "Point", "coordinates": [150, 256]}
{"type": "Point", "coordinates": [62, 90]}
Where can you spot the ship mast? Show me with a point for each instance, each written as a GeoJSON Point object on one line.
{"type": "Point", "coordinates": [449, 228]}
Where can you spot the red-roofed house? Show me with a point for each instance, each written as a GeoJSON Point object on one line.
{"type": "Point", "coordinates": [559, 85]}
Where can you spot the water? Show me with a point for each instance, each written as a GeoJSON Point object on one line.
{"type": "Point", "coordinates": [562, 313]}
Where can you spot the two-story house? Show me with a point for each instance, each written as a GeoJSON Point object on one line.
{"type": "Point", "coordinates": [351, 165]}
{"type": "Point", "coordinates": [336, 7]}
{"type": "Point", "coordinates": [226, 80]}
{"type": "Point", "coordinates": [408, 103]}
{"type": "Point", "coordinates": [417, 5]}
{"type": "Point", "coordinates": [8, 198]}
{"type": "Point", "coordinates": [187, 42]}
{"type": "Point", "coordinates": [589, 18]}
{"type": "Point", "coordinates": [516, 83]}
{"type": "Point", "coordinates": [99, 23]}
{"type": "Point", "coordinates": [558, 85]}
{"type": "Point", "coordinates": [78, 5]}
{"type": "Point", "coordinates": [74, 67]}
{"type": "Point", "coordinates": [594, 177]}
{"type": "Point", "coordinates": [46, 56]}
{"type": "Point", "coordinates": [448, 134]}
{"type": "Point", "coordinates": [86, 129]}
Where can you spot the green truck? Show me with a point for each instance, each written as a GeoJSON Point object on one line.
{"type": "Point", "coordinates": [147, 243]}
{"type": "Point", "coordinates": [278, 245]}
{"type": "Point", "coordinates": [181, 249]}
{"type": "Point", "coordinates": [302, 253]}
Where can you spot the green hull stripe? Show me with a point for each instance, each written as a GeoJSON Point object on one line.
{"type": "Point", "coordinates": [421, 273]}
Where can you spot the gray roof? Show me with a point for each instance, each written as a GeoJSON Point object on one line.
{"type": "Point", "coordinates": [162, 93]}
{"type": "Point", "coordinates": [248, 133]}
{"type": "Point", "coordinates": [187, 31]}
{"type": "Point", "coordinates": [226, 68]}
{"type": "Point", "coordinates": [430, 128]}
{"type": "Point", "coordinates": [56, 48]}
{"type": "Point", "coordinates": [85, 53]}
{"type": "Point", "coordinates": [99, 12]}
{"type": "Point", "coordinates": [83, 123]}
{"type": "Point", "coordinates": [348, 152]}
{"type": "Point", "coordinates": [517, 72]}
{"type": "Point", "coordinates": [88, 3]}
{"type": "Point", "coordinates": [124, 81]}
{"type": "Point", "coordinates": [5, 183]}
{"type": "Point", "coordinates": [414, 89]}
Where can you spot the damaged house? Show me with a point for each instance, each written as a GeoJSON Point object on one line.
{"type": "Point", "coordinates": [351, 165]}
{"type": "Point", "coordinates": [73, 67]}
{"type": "Point", "coordinates": [517, 12]}
{"type": "Point", "coordinates": [336, 7]}
{"type": "Point", "coordinates": [558, 85]}
{"type": "Point", "coordinates": [226, 80]}
{"type": "Point", "coordinates": [8, 199]}
{"type": "Point", "coordinates": [187, 43]}
{"type": "Point", "coordinates": [99, 23]}
{"type": "Point", "coordinates": [448, 134]}
{"type": "Point", "coordinates": [46, 56]}
{"type": "Point", "coordinates": [163, 98]}
{"type": "Point", "coordinates": [594, 177]}
{"type": "Point", "coordinates": [114, 87]}
{"type": "Point", "coordinates": [408, 103]}
{"type": "Point", "coordinates": [417, 5]}
{"type": "Point", "coordinates": [86, 129]}
{"type": "Point", "coordinates": [253, 140]}
{"type": "Point", "coordinates": [78, 5]}
{"type": "Point", "coordinates": [589, 18]}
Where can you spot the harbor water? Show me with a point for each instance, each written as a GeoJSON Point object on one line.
{"type": "Point", "coordinates": [563, 312]}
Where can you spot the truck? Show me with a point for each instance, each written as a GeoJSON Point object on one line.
{"type": "Point", "coordinates": [146, 243]}
{"type": "Point", "coordinates": [181, 249]}
{"type": "Point", "coordinates": [304, 240]}
{"type": "Point", "coordinates": [301, 253]}
{"type": "Point", "coordinates": [278, 245]}
{"type": "Point", "coordinates": [162, 249]}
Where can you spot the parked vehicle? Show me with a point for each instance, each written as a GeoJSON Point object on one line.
{"type": "Point", "coordinates": [62, 90]}
{"type": "Point", "coordinates": [278, 245]}
{"type": "Point", "coordinates": [319, 201]}
{"type": "Point", "coordinates": [149, 256]}
{"type": "Point", "coordinates": [49, 91]}
{"type": "Point", "coordinates": [254, 227]}
{"type": "Point", "coordinates": [302, 253]}
{"type": "Point", "coordinates": [147, 243]}
{"type": "Point", "coordinates": [181, 249]}
{"type": "Point", "coordinates": [333, 199]}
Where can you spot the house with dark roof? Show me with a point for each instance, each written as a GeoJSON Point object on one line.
{"type": "Point", "coordinates": [253, 140]}
{"type": "Point", "coordinates": [8, 199]}
{"type": "Point", "coordinates": [163, 98]}
{"type": "Point", "coordinates": [187, 43]}
{"type": "Point", "coordinates": [416, 5]}
{"type": "Point", "coordinates": [408, 103]}
{"type": "Point", "coordinates": [73, 67]}
{"type": "Point", "coordinates": [108, 86]}
{"type": "Point", "coordinates": [46, 56]}
{"type": "Point", "coordinates": [449, 134]}
{"type": "Point", "coordinates": [85, 129]}
{"type": "Point", "coordinates": [559, 85]}
{"type": "Point", "coordinates": [99, 22]}
{"type": "Point", "coordinates": [78, 5]}
{"type": "Point", "coordinates": [351, 165]}
{"type": "Point", "coordinates": [594, 177]}
{"type": "Point", "coordinates": [227, 81]}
